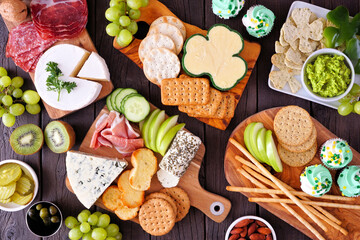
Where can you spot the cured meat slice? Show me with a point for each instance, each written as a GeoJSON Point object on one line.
{"type": "Point", "coordinates": [25, 46]}
{"type": "Point", "coordinates": [124, 143]}
{"type": "Point", "coordinates": [59, 19]}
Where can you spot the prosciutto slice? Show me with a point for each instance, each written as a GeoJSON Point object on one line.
{"type": "Point", "coordinates": [113, 130]}
{"type": "Point", "coordinates": [25, 46]}
{"type": "Point", "coordinates": [59, 19]}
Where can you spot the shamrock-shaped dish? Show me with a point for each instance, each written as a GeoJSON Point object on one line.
{"type": "Point", "coordinates": [216, 55]}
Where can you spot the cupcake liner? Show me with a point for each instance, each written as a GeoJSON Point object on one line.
{"type": "Point", "coordinates": [325, 163]}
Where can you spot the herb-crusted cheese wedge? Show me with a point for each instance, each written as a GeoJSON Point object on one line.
{"type": "Point", "coordinates": [91, 175]}
{"type": "Point", "coordinates": [216, 55]}
{"type": "Point", "coordinates": [178, 157]}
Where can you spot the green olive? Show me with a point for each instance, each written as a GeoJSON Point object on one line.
{"type": "Point", "coordinates": [46, 221]}
{"type": "Point", "coordinates": [39, 206]}
{"type": "Point", "coordinates": [52, 210]}
{"type": "Point", "coordinates": [55, 219]}
{"type": "Point", "coordinates": [44, 212]}
{"type": "Point", "coordinates": [32, 214]}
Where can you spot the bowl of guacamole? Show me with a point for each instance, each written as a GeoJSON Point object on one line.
{"type": "Point", "coordinates": [328, 75]}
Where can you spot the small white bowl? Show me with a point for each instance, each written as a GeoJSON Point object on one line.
{"type": "Point", "coordinates": [311, 58]}
{"type": "Point", "coordinates": [13, 207]}
{"type": "Point", "coordinates": [227, 235]}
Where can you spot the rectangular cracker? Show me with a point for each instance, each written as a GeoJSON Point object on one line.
{"type": "Point", "coordinates": [208, 110]}
{"type": "Point", "coordinates": [185, 91]}
{"type": "Point", "coordinates": [220, 111]}
{"type": "Point", "coordinates": [231, 106]}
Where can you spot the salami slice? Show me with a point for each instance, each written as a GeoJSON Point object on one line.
{"type": "Point", "coordinates": [59, 19]}
{"type": "Point", "coordinates": [25, 45]}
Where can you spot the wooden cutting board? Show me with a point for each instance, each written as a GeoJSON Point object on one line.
{"type": "Point", "coordinates": [84, 41]}
{"type": "Point", "coordinates": [214, 206]}
{"type": "Point", "coordinates": [291, 176]}
{"type": "Point", "coordinates": [156, 9]}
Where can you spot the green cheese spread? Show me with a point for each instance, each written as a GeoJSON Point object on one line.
{"type": "Point", "coordinates": [328, 75]}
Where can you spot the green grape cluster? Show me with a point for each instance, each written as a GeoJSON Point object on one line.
{"type": "Point", "coordinates": [13, 99]}
{"type": "Point", "coordinates": [122, 15]}
{"type": "Point", "coordinates": [350, 103]}
{"type": "Point", "coordinates": [92, 226]}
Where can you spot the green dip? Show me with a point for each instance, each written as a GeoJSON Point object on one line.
{"type": "Point", "coordinates": [328, 76]}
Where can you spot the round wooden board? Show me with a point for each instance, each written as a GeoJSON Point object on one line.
{"type": "Point", "coordinates": [291, 176]}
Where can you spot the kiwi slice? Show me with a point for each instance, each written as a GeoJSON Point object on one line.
{"type": "Point", "coordinates": [59, 136]}
{"type": "Point", "coordinates": [27, 139]}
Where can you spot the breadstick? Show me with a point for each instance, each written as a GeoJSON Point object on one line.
{"type": "Point", "coordinates": [320, 209]}
{"type": "Point", "coordinates": [277, 182]}
{"type": "Point", "coordinates": [287, 207]}
{"type": "Point", "coordinates": [289, 201]}
{"type": "Point", "coordinates": [274, 191]}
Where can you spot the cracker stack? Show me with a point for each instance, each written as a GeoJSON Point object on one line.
{"type": "Point", "coordinates": [195, 97]}
{"type": "Point", "coordinates": [296, 134]}
{"type": "Point", "coordinates": [158, 51]}
{"type": "Point", "coordinates": [157, 216]}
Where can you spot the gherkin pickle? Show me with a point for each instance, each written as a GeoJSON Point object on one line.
{"type": "Point", "coordinates": [52, 210]}
{"type": "Point", "coordinates": [39, 207]}
{"type": "Point", "coordinates": [55, 219]}
{"type": "Point", "coordinates": [44, 212]}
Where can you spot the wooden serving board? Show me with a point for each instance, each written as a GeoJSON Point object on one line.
{"type": "Point", "coordinates": [200, 198]}
{"type": "Point", "coordinates": [291, 175]}
{"type": "Point", "coordinates": [84, 41]}
{"type": "Point", "coordinates": [156, 9]}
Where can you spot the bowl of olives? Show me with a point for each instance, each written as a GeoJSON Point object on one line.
{"type": "Point", "coordinates": [44, 219]}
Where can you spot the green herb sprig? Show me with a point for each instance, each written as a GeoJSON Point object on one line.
{"type": "Point", "coordinates": [53, 82]}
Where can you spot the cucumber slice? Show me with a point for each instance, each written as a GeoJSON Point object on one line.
{"type": "Point", "coordinates": [108, 103]}
{"type": "Point", "coordinates": [125, 98]}
{"type": "Point", "coordinates": [113, 97]}
{"type": "Point", "coordinates": [136, 108]}
{"type": "Point", "coordinates": [121, 95]}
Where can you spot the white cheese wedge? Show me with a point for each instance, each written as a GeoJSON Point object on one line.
{"type": "Point", "coordinates": [95, 68]}
{"type": "Point", "coordinates": [81, 96]}
{"type": "Point", "coordinates": [70, 59]}
{"type": "Point", "coordinates": [166, 179]}
{"type": "Point", "coordinates": [91, 175]}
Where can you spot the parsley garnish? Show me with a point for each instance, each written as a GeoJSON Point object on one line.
{"type": "Point", "coordinates": [53, 82]}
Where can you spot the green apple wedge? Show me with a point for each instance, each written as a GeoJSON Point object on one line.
{"type": "Point", "coordinates": [261, 145]}
{"type": "Point", "coordinates": [247, 138]}
{"type": "Point", "coordinates": [146, 127]}
{"type": "Point", "coordinates": [253, 134]}
{"type": "Point", "coordinates": [169, 136]}
{"type": "Point", "coordinates": [272, 152]}
{"type": "Point", "coordinates": [153, 129]}
{"type": "Point", "coordinates": [164, 128]}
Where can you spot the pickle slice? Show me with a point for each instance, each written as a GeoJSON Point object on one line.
{"type": "Point", "coordinates": [23, 185]}
{"type": "Point", "coordinates": [21, 200]}
{"type": "Point", "coordinates": [5, 200]}
{"type": "Point", "coordinates": [10, 172]}
{"type": "Point", "coordinates": [7, 191]}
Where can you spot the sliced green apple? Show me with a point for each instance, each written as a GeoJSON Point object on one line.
{"type": "Point", "coordinates": [164, 128]}
{"type": "Point", "coordinates": [272, 152]}
{"type": "Point", "coordinates": [169, 136]}
{"type": "Point", "coordinates": [154, 127]}
{"type": "Point", "coordinates": [247, 138]}
{"type": "Point", "coordinates": [253, 134]}
{"type": "Point", "coordinates": [141, 124]}
{"type": "Point", "coordinates": [146, 127]}
{"type": "Point", "coordinates": [261, 145]}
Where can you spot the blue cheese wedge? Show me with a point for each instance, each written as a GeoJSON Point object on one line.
{"type": "Point", "coordinates": [178, 157]}
{"type": "Point", "coordinates": [91, 175]}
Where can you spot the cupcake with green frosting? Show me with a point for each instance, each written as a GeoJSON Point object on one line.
{"type": "Point", "coordinates": [336, 153]}
{"type": "Point", "coordinates": [258, 21]}
{"type": "Point", "coordinates": [227, 8]}
{"type": "Point", "coordinates": [316, 180]}
{"type": "Point", "coordinates": [349, 181]}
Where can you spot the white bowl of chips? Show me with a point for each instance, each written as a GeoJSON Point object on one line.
{"type": "Point", "coordinates": [311, 59]}
{"type": "Point", "coordinates": [23, 186]}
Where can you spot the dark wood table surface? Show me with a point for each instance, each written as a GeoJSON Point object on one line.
{"type": "Point", "coordinates": [257, 96]}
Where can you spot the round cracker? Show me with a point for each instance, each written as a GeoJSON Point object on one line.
{"type": "Point", "coordinates": [159, 64]}
{"type": "Point", "coordinates": [157, 217]}
{"type": "Point", "coordinates": [297, 159]}
{"type": "Point", "coordinates": [165, 197]}
{"type": "Point", "coordinates": [303, 147]}
{"type": "Point", "coordinates": [155, 41]}
{"type": "Point", "coordinates": [182, 201]}
{"type": "Point", "coordinates": [170, 31]}
{"type": "Point", "coordinates": [293, 125]}
{"type": "Point", "coordinates": [173, 21]}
